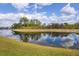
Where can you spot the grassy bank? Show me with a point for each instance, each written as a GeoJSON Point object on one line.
{"type": "Point", "coordinates": [47, 30]}
{"type": "Point", "coordinates": [11, 47]}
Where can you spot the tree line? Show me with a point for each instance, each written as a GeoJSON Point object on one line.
{"type": "Point", "coordinates": [63, 26]}
{"type": "Point", "coordinates": [26, 23]}
{"type": "Point", "coordinates": [35, 23]}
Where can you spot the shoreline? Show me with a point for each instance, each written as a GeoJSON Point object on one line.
{"type": "Point", "coordinates": [47, 30]}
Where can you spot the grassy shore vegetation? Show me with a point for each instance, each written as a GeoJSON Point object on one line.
{"type": "Point", "coordinates": [46, 30]}
{"type": "Point", "coordinates": [10, 47]}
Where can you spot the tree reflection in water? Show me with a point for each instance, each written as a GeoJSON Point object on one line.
{"type": "Point", "coordinates": [56, 39]}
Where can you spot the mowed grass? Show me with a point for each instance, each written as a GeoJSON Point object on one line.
{"type": "Point", "coordinates": [10, 47]}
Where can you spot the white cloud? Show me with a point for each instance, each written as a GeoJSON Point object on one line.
{"type": "Point", "coordinates": [68, 9]}
{"type": "Point", "coordinates": [20, 6]}
{"type": "Point", "coordinates": [41, 5]}
{"type": "Point", "coordinates": [53, 17]}
{"type": "Point", "coordinates": [63, 18]}
{"type": "Point", "coordinates": [68, 18]}
{"type": "Point", "coordinates": [44, 4]}
{"type": "Point", "coordinates": [71, 18]}
{"type": "Point", "coordinates": [42, 17]}
{"type": "Point", "coordinates": [11, 18]}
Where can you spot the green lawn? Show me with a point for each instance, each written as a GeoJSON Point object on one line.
{"type": "Point", "coordinates": [10, 47]}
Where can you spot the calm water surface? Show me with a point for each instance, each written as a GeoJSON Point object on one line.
{"type": "Point", "coordinates": [70, 40]}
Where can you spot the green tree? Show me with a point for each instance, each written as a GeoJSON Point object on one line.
{"type": "Point", "coordinates": [34, 23]}
{"type": "Point", "coordinates": [24, 21]}
{"type": "Point", "coordinates": [16, 25]}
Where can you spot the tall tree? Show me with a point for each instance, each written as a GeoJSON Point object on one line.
{"type": "Point", "coordinates": [24, 21]}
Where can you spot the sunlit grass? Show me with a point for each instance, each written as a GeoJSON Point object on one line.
{"type": "Point", "coordinates": [47, 30]}
{"type": "Point", "coordinates": [12, 47]}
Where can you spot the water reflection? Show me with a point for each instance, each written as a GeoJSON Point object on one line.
{"type": "Point", "coordinates": [9, 34]}
{"type": "Point", "coordinates": [49, 39]}
{"type": "Point", "coordinates": [59, 40]}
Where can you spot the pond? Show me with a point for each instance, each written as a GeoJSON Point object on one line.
{"type": "Point", "coordinates": [66, 40]}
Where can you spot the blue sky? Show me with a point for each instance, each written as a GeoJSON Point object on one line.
{"type": "Point", "coordinates": [46, 13]}
{"type": "Point", "coordinates": [9, 8]}
{"type": "Point", "coordinates": [54, 7]}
